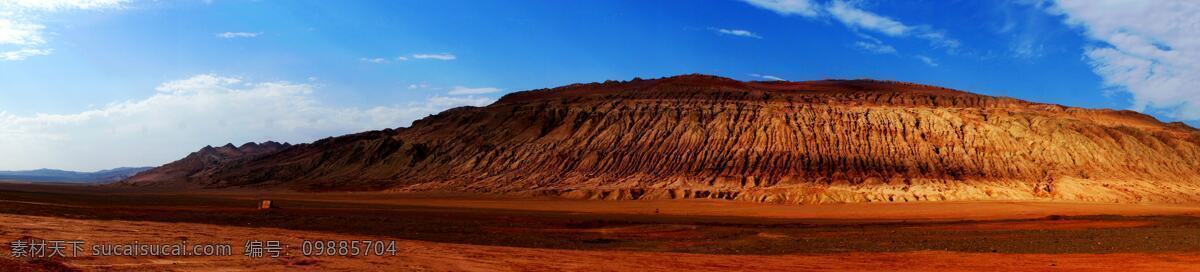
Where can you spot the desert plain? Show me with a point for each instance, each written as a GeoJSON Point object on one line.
{"type": "Point", "coordinates": [468, 232]}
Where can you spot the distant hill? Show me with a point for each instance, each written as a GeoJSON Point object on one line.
{"type": "Point", "coordinates": [201, 163]}
{"type": "Point", "coordinates": [55, 175]}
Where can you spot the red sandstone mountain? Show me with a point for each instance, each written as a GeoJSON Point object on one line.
{"type": "Point", "coordinates": [701, 136]}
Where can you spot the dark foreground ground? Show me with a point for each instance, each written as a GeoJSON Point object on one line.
{"type": "Point", "coordinates": [643, 231]}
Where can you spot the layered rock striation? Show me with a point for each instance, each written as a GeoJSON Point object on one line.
{"type": "Point", "coordinates": [708, 137]}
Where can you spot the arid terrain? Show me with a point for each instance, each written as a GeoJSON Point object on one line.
{"type": "Point", "coordinates": [708, 137]}
{"type": "Point", "coordinates": [689, 172]}
{"type": "Point", "coordinates": [467, 232]}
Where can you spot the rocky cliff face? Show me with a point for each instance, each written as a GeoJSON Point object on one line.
{"type": "Point", "coordinates": [783, 142]}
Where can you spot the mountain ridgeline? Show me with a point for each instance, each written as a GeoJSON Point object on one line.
{"type": "Point", "coordinates": [201, 164]}
{"type": "Point", "coordinates": [706, 137]}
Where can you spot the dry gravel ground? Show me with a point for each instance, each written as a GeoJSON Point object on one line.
{"type": "Point", "coordinates": [454, 232]}
{"type": "Point", "coordinates": [430, 256]}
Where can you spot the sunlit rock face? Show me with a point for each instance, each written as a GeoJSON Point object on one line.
{"type": "Point", "coordinates": [697, 136]}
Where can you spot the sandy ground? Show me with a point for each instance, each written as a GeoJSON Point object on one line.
{"type": "Point", "coordinates": [428, 256]}
{"type": "Point", "coordinates": [946, 210]}
{"type": "Point", "coordinates": [460, 232]}
{"type": "Point", "coordinates": [974, 210]}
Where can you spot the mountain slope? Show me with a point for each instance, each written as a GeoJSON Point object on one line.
{"type": "Point", "coordinates": [201, 163]}
{"type": "Point", "coordinates": [700, 136]}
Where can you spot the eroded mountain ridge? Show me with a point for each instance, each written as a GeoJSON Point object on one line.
{"type": "Point", "coordinates": [699, 136]}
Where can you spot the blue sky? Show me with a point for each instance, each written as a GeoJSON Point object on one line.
{"type": "Point", "coordinates": [93, 84]}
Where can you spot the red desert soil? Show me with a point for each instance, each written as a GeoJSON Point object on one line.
{"type": "Point", "coordinates": [1047, 225]}
{"type": "Point", "coordinates": [429, 256]}
{"type": "Point", "coordinates": [456, 232]}
{"type": "Point", "coordinates": [947, 210]}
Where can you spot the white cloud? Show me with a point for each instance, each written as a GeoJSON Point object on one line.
{"type": "Point", "coordinates": [418, 86]}
{"type": "Point", "coordinates": [435, 56]}
{"type": "Point", "coordinates": [187, 114]}
{"type": "Point", "coordinates": [854, 17]}
{"type": "Point", "coordinates": [384, 61]}
{"type": "Point", "coordinates": [1025, 23]}
{"type": "Point", "coordinates": [198, 84]}
{"type": "Point", "coordinates": [231, 35]}
{"type": "Point", "coordinates": [1026, 48]}
{"type": "Point", "coordinates": [460, 90]}
{"type": "Point", "coordinates": [1150, 49]}
{"type": "Point", "coordinates": [875, 47]}
{"type": "Point", "coordinates": [927, 60]}
{"type": "Point", "coordinates": [374, 60]}
{"type": "Point", "coordinates": [737, 32]}
{"type": "Point", "coordinates": [850, 15]}
{"type": "Point", "coordinates": [21, 36]}
{"type": "Point", "coordinates": [415, 56]}
{"type": "Point", "coordinates": [55, 5]}
{"type": "Point", "coordinates": [22, 54]}
{"type": "Point", "coordinates": [20, 33]}
{"type": "Point", "coordinates": [20, 39]}
{"type": "Point", "coordinates": [804, 8]}
{"type": "Point", "coordinates": [768, 77]}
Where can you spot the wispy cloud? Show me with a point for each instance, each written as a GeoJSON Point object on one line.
{"type": "Point", "coordinates": [404, 58]}
{"type": "Point", "coordinates": [736, 32]}
{"type": "Point", "coordinates": [1025, 24]}
{"type": "Point", "coordinates": [57, 5]}
{"type": "Point", "coordinates": [373, 60]}
{"type": "Point", "coordinates": [22, 54]}
{"type": "Point", "coordinates": [21, 36]}
{"type": "Point", "coordinates": [768, 77]}
{"type": "Point", "coordinates": [1150, 49]}
{"type": "Point", "coordinates": [1026, 48]}
{"type": "Point", "coordinates": [443, 56]}
{"type": "Point", "coordinates": [804, 8]}
{"type": "Point", "coordinates": [875, 47]}
{"type": "Point", "coordinates": [927, 60]}
{"type": "Point", "coordinates": [856, 18]}
{"type": "Point", "coordinates": [460, 90]}
{"type": "Point", "coordinates": [850, 15]}
{"type": "Point", "coordinates": [233, 35]}
{"type": "Point", "coordinates": [20, 33]}
{"type": "Point", "coordinates": [186, 114]}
